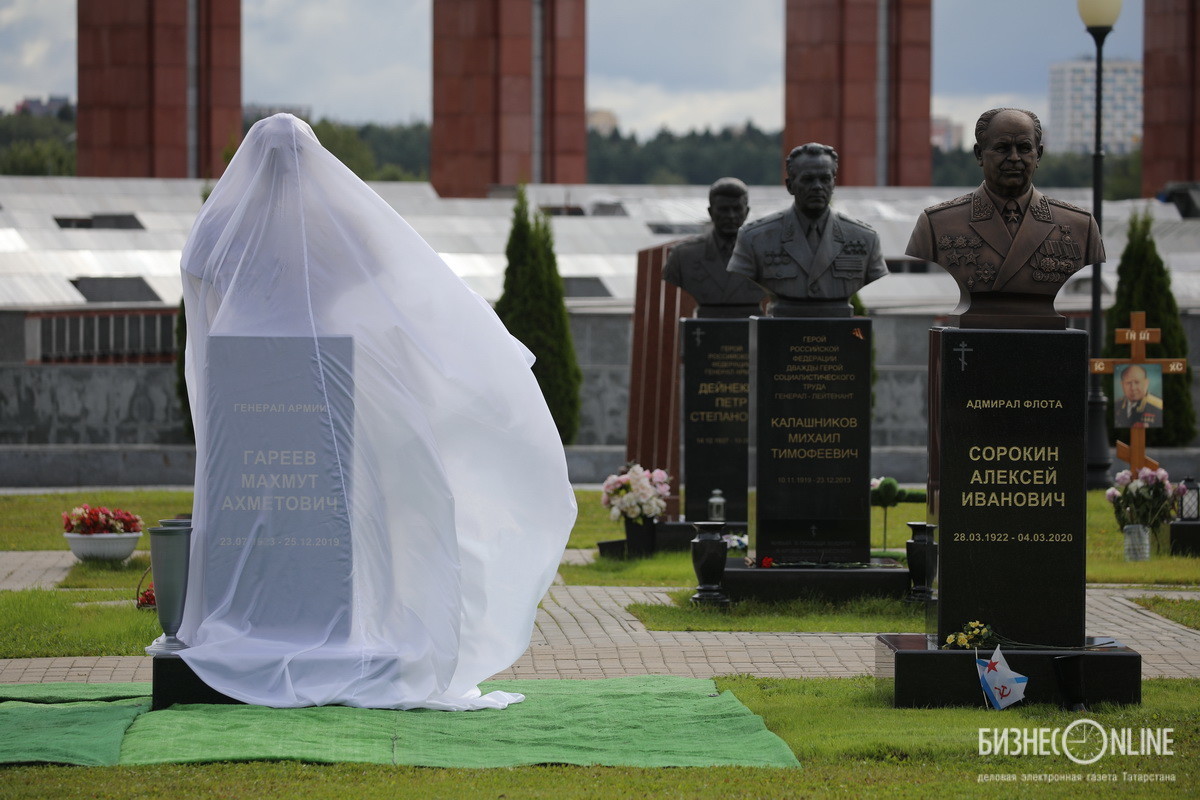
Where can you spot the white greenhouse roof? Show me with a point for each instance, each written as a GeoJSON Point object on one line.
{"type": "Point", "coordinates": [39, 258]}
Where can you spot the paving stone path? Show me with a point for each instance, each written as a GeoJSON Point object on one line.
{"type": "Point", "coordinates": [585, 632]}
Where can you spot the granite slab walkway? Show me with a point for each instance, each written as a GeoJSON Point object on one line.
{"type": "Point", "coordinates": [585, 632]}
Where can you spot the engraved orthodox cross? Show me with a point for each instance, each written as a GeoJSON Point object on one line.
{"type": "Point", "coordinates": [1137, 335]}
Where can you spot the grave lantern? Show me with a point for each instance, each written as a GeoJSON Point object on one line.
{"type": "Point", "coordinates": [716, 507]}
{"type": "Point", "coordinates": [1189, 501]}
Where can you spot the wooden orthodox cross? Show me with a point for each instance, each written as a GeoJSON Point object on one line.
{"type": "Point", "coordinates": [1137, 335]}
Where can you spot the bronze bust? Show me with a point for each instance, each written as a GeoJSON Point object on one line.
{"type": "Point", "coordinates": [1009, 247]}
{"type": "Point", "coordinates": [697, 265]}
{"type": "Point", "coordinates": [809, 258]}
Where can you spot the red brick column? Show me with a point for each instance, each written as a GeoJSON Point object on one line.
{"type": "Point", "coordinates": [483, 95]}
{"type": "Point", "coordinates": [1171, 97]}
{"type": "Point", "coordinates": [831, 86]}
{"type": "Point", "coordinates": [132, 83]}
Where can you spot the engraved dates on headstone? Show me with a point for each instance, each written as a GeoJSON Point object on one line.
{"type": "Point", "coordinates": [811, 432]}
{"type": "Point", "coordinates": [1010, 420]}
{"type": "Point", "coordinates": [716, 405]}
{"type": "Point", "coordinates": [280, 422]}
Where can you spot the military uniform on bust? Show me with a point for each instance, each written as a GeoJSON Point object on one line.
{"type": "Point", "coordinates": [969, 238]}
{"type": "Point", "coordinates": [697, 265]}
{"type": "Point", "coordinates": [1008, 246]}
{"type": "Point", "coordinates": [774, 252]}
{"type": "Point", "coordinates": [808, 258]}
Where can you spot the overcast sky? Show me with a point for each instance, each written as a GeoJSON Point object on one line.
{"type": "Point", "coordinates": [682, 64]}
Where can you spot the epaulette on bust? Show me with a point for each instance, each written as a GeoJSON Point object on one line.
{"type": "Point", "coordinates": [958, 201]}
{"type": "Point", "coordinates": [1066, 205]}
{"type": "Point", "coordinates": [774, 216]}
{"type": "Point", "coordinates": [858, 222]}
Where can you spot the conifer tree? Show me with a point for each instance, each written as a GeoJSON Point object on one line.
{"type": "Point", "coordinates": [533, 310]}
{"type": "Point", "coordinates": [1143, 284]}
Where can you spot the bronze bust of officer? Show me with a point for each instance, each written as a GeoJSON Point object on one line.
{"type": "Point", "coordinates": [697, 265]}
{"type": "Point", "coordinates": [1009, 247]}
{"type": "Point", "coordinates": [809, 258]}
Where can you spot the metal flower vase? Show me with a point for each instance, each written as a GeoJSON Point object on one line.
{"type": "Point", "coordinates": [170, 555]}
{"type": "Point", "coordinates": [709, 552]}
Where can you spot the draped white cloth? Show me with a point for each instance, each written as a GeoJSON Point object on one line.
{"type": "Point", "coordinates": [384, 540]}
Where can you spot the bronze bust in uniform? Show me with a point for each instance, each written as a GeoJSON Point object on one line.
{"type": "Point", "coordinates": [809, 258]}
{"type": "Point", "coordinates": [1009, 247]}
{"type": "Point", "coordinates": [697, 265]}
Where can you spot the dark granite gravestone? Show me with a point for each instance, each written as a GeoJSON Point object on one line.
{"type": "Point", "coordinates": [810, 390]}
{"type": "Point", "coordinates": [1008, 478]}
{"type": "Point", "coordinates": [1008, 497]}
{"type": "Point", "coordinates": [716, 414]}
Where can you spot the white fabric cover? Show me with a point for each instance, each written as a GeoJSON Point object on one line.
{"type": "Point", "coordinates": [457, 504]}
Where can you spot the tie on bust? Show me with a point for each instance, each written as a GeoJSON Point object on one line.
{"type": "Point", "coordinates": [1012, 216]}
{"type": "Point", "coordinates": [814, 237]}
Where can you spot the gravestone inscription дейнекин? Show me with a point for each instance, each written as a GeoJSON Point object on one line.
{"type": "Point", "coordinates": [716, 419]}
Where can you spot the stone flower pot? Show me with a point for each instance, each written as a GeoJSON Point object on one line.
{"type": "Point", "coordinates": [102, 546]}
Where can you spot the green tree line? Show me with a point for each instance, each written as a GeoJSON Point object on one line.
{"type": "Point", "coordinates": [1122, 173]}
{"type": "Point", "coordinates": [45, 146]}
{"type": "Point", "coordinates": [37, 145]}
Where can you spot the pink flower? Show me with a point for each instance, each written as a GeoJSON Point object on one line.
{"type": "Point", "coordinates": [1147, 475]}
{"type": "Point", "coordinates": [1112, 494]}
{"type": "Point", "coordinates": [1123, 478]}
{"type": "Point", "coordinates": [1162, 474]}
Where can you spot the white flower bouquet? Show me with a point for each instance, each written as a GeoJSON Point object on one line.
{"type": "Point", "coordinates": [636, 493]}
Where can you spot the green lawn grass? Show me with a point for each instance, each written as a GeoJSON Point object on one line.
{"type": "Point", "coordinates": [1105, 550]}
{"type": "Point", "coordinates": [1184, 611]}
{"type": "Point", "coordinates": [862, 615]}
{"type": "Point", "coordinates": [850, 743]}
{"type": "Point", "coordinates": [108, 574]}
{"type": "Point", "coordinates": [34, 521]}
{"type": "Point", "coordinates": [41, 623]}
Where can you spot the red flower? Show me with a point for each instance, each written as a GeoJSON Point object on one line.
{"type": "Point", "coordinates": [86, 519]}
{"type": "Point", "coordinates": [767, 562]}
{"type": "Point", "coordinates": [146, 598]}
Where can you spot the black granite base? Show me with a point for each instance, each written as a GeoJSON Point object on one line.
{"type": "Point", "coordinates": [915, 676]}
{"type": "Point", "coordinates": [884, 578]}
{"type": "Point", "coordinates": [175, 683]}
{"type": "Point", "coordinates": [668, 537]}
{"type": "Point", "coordinates": [1185, 538]}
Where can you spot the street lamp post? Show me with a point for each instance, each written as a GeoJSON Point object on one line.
{"type": "Point", "coordinates": [1098, 17]}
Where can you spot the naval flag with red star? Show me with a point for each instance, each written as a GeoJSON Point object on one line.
{"type": "Point", "coordinates": [1002, 686]}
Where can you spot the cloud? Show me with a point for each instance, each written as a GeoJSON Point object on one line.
{"type": "Point", "coordinates": [37, 49]}
{"type": "Point", "coordinates": [363, 61]}
{"type": "Point", "coordinates": [643, 109]}
{"type": "Point", "coordinates": [965, 109]}
{"type": "Point", "coordinates": [690, 45]}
